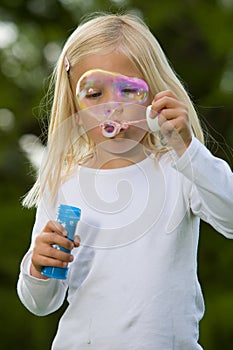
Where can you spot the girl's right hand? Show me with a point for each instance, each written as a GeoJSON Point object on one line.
{"type": "Point", "coordinates": [44, 254]}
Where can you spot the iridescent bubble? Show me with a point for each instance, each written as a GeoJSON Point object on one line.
{"type": "Point", "coordinates": [110, 98]}
{"type": "Point", "coordinates": [99, 86]}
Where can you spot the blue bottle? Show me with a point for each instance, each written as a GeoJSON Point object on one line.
{"type": "Point", "coordinates": [68, 216]}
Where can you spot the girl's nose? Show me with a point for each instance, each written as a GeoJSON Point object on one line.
{"type": "Point", "coordinates": [119, 109]}
{"type": "Point", "coordinates": [113, 109]}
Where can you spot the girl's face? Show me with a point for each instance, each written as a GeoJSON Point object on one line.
{"type": "Point", "coordinates": [112, 84]}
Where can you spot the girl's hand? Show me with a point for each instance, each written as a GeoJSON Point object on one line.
{"type": "Point", "coordinates": [44, 254]}
{"type": "Point", "coordinates": [173, 120]}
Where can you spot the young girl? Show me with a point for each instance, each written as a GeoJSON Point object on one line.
{"type": "Point", "coordinates": [142, 190]}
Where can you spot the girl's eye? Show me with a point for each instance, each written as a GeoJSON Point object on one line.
{"type": "Point", "coordinates": [93, 93]}
{"type": "Point", "coordinates": [129, 92]}
{"type": "Point", "coordinates": [137, 94]}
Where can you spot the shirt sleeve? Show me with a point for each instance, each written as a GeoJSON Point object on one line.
{"type": "Point", "coordinates": [41, 297]}
{"type": "Point", "coordinates": [211, 197]}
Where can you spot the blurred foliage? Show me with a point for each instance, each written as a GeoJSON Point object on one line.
{"type": "Point", "coordinates": [196, 35]}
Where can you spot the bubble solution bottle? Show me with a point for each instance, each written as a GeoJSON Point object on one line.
{"type": "Point", "coordinates": [68, 216]}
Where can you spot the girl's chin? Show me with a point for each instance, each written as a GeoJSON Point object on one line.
{"type": "Point", "coordinates": [119, 145]}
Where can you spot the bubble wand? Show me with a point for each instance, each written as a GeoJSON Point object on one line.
{"type": "Point", "coordinates": [111, 128]}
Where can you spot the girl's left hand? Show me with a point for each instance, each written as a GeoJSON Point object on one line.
{"type": "Point", "coordinates": [173, 119]}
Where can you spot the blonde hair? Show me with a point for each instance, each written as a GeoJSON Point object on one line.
{"type": "Point", "coordinates": [67, 143]}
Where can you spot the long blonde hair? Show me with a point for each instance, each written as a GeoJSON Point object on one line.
{"type": "Point", "coordinates": [67, 143]}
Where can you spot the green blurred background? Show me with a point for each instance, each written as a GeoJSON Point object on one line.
{"type": "Point", "coordinates": [197, 37]}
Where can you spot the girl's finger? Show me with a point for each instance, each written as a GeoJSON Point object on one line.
{"type": "Point", "coordinates": [48, 261]}
{"type": "Point", "coordinates": [54, 226]}
{"type": "Point", "coordinates": [165, 93]}
{"type": "Point", "coordinates": [50, 238]}
{"type": "Point", "coordinates": [167, 102]}
{"type": "Point", "coordinates": [172, 113]}
{"type": "Point", "coordinates": [56, 253]}
{"type": "Point", "coordinates": [77, 241]}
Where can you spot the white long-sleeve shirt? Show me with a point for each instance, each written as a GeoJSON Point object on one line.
{"type": "Point", "coordinates": [133, 283]}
